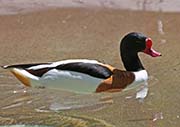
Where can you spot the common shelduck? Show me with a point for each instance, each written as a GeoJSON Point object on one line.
{"type": "Point", "coordinates": [84, 75]}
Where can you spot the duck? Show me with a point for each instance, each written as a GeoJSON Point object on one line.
{"type": "Point", "coordinates": [86, 76]}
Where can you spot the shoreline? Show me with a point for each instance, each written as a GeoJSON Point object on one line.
{"type": "Point", "coordinates": [9, 7]}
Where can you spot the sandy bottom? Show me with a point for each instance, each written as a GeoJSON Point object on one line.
{"type": "Point", "coordinates": [59, 34]}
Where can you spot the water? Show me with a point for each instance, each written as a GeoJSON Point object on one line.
{"type": "Point", "coordinates": [23, 104]}
{"type": "Point", "coordinates": [33, 37]}
{"type": "Point", "coordinates": [24, 126]}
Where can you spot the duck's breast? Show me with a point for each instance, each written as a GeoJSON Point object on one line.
{"type": "Point", "coordinates": [141, 78]}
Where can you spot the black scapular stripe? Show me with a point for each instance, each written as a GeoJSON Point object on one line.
{"type": "Point", "coordinates": [91, 69]}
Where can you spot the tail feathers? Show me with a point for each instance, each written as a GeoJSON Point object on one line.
{"type": "Point", "coordinates": [23, 78]}
{"type": "Point", "coordinates": [19, 71]}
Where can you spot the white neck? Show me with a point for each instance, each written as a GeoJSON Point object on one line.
{"type": "Point", "coordinates": [141, 78]}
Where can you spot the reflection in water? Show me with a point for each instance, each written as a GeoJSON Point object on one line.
{"type": "Point", "coordinates": [12, 106]}
{"type": "Point", "coordinates": [81, 102]}
{"type": "Point", "coordinates": [24, 105]}
{"type": "Point", "coordinates": [55, 100]}
{"type": "Point", "coordinates": [38, 106]}
{"type": "Point", "coordinates": [24, 126]}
